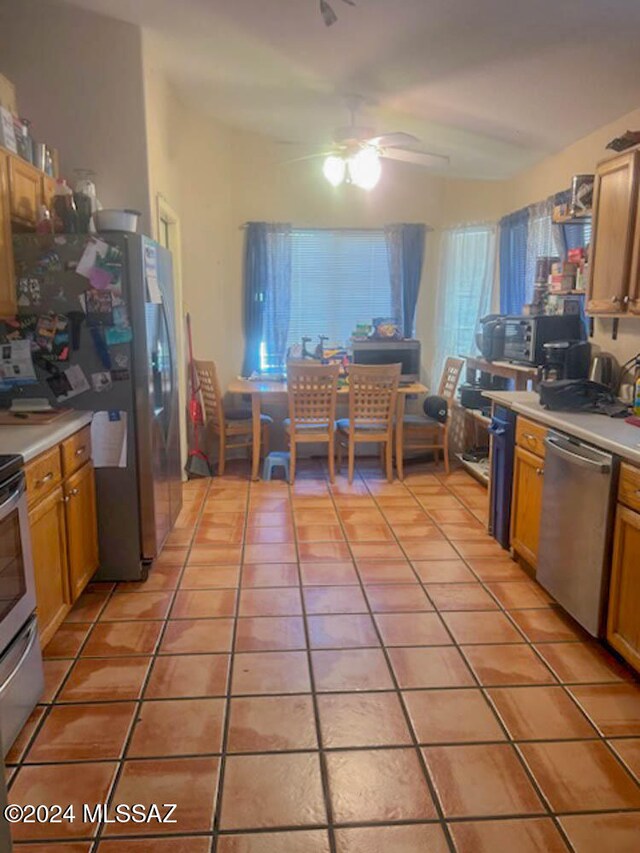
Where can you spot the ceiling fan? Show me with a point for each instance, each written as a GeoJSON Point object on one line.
{"type": "Point", "coordinates": [356, 154]}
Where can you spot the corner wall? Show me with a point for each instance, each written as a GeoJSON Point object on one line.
{"type": "Point", "coordinates": [78, 76]}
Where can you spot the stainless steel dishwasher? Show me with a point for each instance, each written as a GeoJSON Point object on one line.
{"type": "Point", "coordinates": [575, 527]}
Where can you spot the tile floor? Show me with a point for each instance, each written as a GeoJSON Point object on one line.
{"type": "Point", "coordinates": [348, 669]}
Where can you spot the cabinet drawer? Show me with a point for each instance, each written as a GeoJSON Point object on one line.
{"type": "Point", "coordinates": [530, 436]}
{"type": "Point", "coordinates": [43, 474]}
{"type": "Point", "coordinates": [629, 487]}
{"type": "Point", "coordinates": [76, 450]}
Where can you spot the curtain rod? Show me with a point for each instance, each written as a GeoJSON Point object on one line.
{"type": "Point", "coordinates": [328, 228]}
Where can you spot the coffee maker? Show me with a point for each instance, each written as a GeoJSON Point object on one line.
{"type": "Point", "coordinates": [566, 360]}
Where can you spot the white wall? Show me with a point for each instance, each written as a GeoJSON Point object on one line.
{"type": "Point", "coordinates": [78, 77]}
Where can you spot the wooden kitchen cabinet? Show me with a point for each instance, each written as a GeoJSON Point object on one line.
{"type": "Point", "coordinates": [526, 506]}
{"type": "Point", "coordinates": [61, 497]}
{"type": "Point", "coordinates": [25, 190]}
{"type": "Point", "coordinates": [623, 616]}
{"type": "Point", "coordinates": [48, 190]}
{"type": "Point", "coordinates": [7, 280]}
{"type": "Point", "coordinates": [614, 257]}
{"type": "Point", "coordinates": [49, 549]}
{"type": "Point", "coordinates": [81, 520]}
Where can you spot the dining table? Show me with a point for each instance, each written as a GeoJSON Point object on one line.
{"type": "Point", "coordinates": [259, 389]}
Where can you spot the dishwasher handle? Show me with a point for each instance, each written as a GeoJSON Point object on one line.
{"type": "Point", "coordinates": [559, 446]}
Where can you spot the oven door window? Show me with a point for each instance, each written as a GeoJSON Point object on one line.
{"type": "Point", "coordinates": [12, 569]}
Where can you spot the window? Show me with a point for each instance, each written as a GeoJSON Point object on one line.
{"type": "Point", "coordinates": [339, 278]}
{"type": "Point", "coordinates": [464, 290]}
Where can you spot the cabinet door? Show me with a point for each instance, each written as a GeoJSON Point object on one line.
{"type": "Point", "coordinates": [634, 283]}
{"type": "Point", "coordinates": [25, 190]}
{"type": "Point", "coordinates": [49, 546]}
{"type": "Point", "coordinates": [615, 203]}
{"type": "Point", "coordinates": [623, 622]}
{"type": "Point", "coordinates": [7, 280]}
{"type": "Point", "coordinates": [528, 475]}
{"type": "Point", "coordinates": [82, 533]}
{"type": "Point", "coordinates": [48, 190]}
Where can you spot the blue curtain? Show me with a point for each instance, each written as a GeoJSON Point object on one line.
{"type": "Point", "coordinates": [267, 293]}
{"type": "Point", "coordinates": [405, 247]}
{"type": "Point", "coordinates": [513, 261]}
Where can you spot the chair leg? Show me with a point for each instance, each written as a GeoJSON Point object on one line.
{"type": "Point", "coordinates": [292, 461]}
{"type": "Point", "coordinates": [338, 453]}
{"type": "Point", "coordinates": [264, 444]}
{"type": "Point", "coordinates": [352, 458]}
{"type": "Point", "coordinates": [221, 454]}
{"type": "Point", "coordinates": [445, 450]}
{"type": "Point", "coordinates": [332, 467]}
{"type": "Point", "coordinates": [389, 456]}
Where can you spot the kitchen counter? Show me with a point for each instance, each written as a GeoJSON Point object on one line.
{"type": "Point", "coordinates": [30, 441]}
{"type": "Point", "coordinates": [611, 434]}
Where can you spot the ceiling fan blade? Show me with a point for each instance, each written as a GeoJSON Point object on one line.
{"type": "Point", "coordinates": [306, 157]}
{"type": "Point", "coordinates": [394, 140]}
{"type": "Point", "coordinates": [418, 158]}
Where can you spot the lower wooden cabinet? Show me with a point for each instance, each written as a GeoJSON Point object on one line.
{"type": "Point", "coordinates": [528, 474]}
{"type": "Point", "coordinates": [623, 621]}
{"type": "Point", "coordinates": [49, 548]}
{"type": "Point", "coordinates": [80, 511]}
{"type": "Point", "coordinates": [64, 533]}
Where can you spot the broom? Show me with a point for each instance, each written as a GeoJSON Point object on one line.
{"type": "Point", "coordinates": [198, 464]}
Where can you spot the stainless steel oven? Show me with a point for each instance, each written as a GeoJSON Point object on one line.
{"type": "Point", "coordinates": [21, 675]}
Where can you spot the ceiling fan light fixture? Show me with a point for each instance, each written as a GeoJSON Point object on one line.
{"type": "Point", "coordinates": [334, 170]}
{"type": "Point", "coordinates": [365, 168]}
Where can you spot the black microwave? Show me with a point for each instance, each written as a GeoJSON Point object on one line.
{"type": "Point", "coordinates": [525, 337]}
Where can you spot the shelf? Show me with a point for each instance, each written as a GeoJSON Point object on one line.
{"type": "Point", "coordinates": [480, 470]}
{"type": "Point", "coordinates": [476, 414]}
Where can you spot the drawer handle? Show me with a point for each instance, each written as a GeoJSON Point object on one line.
{"type": "Point", "coordinates": [80, 450]}
{"type": "Point", "coordinates": [74, 492]}
{"type": "Point", "coordinates": [46, 479]}
{"type": "Point", "coordinates": [529, 436]}
{"type": "Point", "coordinates": [539, 471]}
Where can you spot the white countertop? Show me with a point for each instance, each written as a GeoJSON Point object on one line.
{"type": "Point", "coordinates": [611, 434]}
{"type": "Point", "coordinates": [30, 441]}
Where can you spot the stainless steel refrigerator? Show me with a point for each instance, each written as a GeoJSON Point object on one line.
{"type": "Point", "coordinates": [126, 349]}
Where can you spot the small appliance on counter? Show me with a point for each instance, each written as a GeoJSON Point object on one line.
{"type": "Point", "coordinates": [525, 337]}
{"type": "Point", "coordinates": [566, 360]}
{"type": "Point", "coordinates": [490, 339]}
{"type": "Point", "coordinates": [605, 370]}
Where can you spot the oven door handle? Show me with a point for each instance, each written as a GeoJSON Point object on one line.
{"type": "Point", "coordinates": [28, 640]}
{"type": "Point", "coordinates": [8, 506]}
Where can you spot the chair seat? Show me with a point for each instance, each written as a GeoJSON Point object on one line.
{"type": "Point", "coordinates": [306, 428]}
{"type": "Point", "coordinates": [420, 421]}
{"type": "Point", "coordinates": [238, 414]}
{"type": "Point", "coordinates": [245, 423]}
{"type": "Point", "coordinates": [343, 426]}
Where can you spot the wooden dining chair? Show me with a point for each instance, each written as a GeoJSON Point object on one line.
{"type": "Point", "coordinates": [373, 392]}
{"type": "Point", "coordinates": [312, 390]}
{"type": "Point", "coordinates": [425, 433]}
{"type": "Point", "coordinates": [233, 427]}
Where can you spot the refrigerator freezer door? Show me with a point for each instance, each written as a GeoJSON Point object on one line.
{"type": "Point", "coordinates": [156, 399]}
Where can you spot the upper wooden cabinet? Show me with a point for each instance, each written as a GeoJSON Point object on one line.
{"type": "Point", "coordinates": [7, 281]}
{"type": "Point", "coordinates": [25, 190]}
{"type": "Point", "coordinates": [615, 262]}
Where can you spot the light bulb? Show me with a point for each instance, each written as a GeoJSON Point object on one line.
{"type": "Point", "coordinates": [334, 170]}
{"type": "Point", "coordinates": [365, 168]}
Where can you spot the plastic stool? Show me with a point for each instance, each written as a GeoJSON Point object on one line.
{"type": "Point", "coordinates": [276, 459]}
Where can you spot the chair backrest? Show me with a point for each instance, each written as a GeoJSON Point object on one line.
{"type": "Point", "coordinates": [450, 376]}
{"type": "Point", "coordinates": [209, 390]}
{"type": "Point", "coordinates": [373, 390]}
{"type": "Point", "coordinates": [312, 390]}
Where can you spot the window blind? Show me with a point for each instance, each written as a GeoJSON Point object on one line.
{"type": "Point", "coordinates": [338, 278]}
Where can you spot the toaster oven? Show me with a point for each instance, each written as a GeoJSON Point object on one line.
{"type": "Point", "coordinates": [525, 337]}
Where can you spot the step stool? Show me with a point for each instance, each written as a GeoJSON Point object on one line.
{"type": "Point", "coordinates": [276, 459]}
